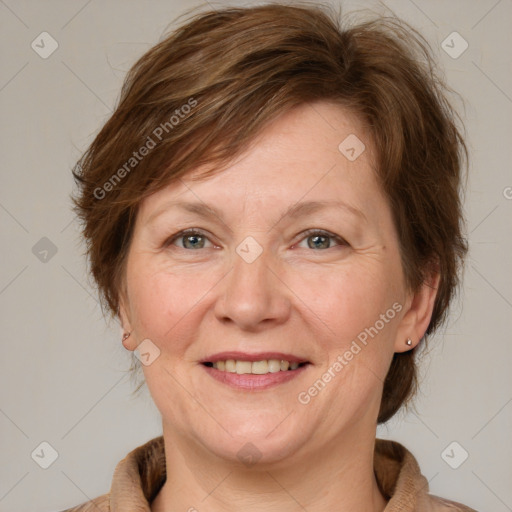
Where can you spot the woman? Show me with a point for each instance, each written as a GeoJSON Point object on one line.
{"type": "Point", "coordinates": [273, 214]}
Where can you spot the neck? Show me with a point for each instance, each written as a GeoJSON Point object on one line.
{"type": "Point", "coordinates": [338, 477]}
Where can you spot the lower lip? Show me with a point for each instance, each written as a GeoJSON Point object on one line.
{"type": "Point", "coordinates": [250, 382]}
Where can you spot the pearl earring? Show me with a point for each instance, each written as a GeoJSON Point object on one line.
{"type": "Point", "coordinates": [408, 342]}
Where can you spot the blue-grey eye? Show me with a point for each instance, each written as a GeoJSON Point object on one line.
{"type": "Point", "coordinates": [318, 239]}
{"type": "Point", "coordinates": [188, 239]}
{"type": "Point", "coordinates": [193, 241]}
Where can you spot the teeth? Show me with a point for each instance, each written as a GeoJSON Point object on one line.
{"type": "Point", "coordinates": [259, 367]}
{"type": "Point", "coordinates": [274, 366]}
{"type": "Point", "coordinates": [243, 367]}
{"type": "Point", "coordinates": [256, 367]}
{"type": "Point", "coordinates": [230, 366]}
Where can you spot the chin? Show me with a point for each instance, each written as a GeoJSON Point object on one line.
{"type": "Point", "coordinates": [267, 440]}
{"type": "Point", "coordinates": [250, 451]}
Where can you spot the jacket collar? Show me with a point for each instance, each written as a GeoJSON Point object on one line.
{"type": "Point", "coordinates": [140, 475]}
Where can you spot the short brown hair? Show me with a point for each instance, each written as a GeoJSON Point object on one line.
{"type": "Point", "coordinates": [225, 75]}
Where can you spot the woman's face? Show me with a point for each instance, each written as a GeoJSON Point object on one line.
{"type": "Point", "coordinates": [300, 262]}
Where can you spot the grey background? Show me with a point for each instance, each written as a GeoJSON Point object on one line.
{"type": "Point", "coordinates": [63, 368]}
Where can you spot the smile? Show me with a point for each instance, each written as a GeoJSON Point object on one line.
{"type": "Point", "coordinates": [255, 367]}
{"type": "Point", "coordinates": [254, 375]}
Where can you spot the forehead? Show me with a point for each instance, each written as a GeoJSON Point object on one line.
{"type": "Point", "coordinates": [315, 152]}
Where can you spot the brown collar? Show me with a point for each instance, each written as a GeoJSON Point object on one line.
{"type": "Point", "coordinates": [141, 474]}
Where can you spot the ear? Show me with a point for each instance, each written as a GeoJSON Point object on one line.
{"type": "Point", "coordinates": [129, 343]}
{"type": "Point", "coordinates": [418, 313]}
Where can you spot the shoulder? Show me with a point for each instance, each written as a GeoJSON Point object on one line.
{"type": "Point", "coordinates": [437, 504]}
{"type": "Point", "coordinates": [99, 504]}
{"type": "Point", "coordinates": [137, 479]}
{"type": "Point", "coordinates": [400, 480]}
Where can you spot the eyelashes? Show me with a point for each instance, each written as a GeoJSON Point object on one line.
{"type": "Point", "coordinates": [321, 233]}
{"type": "Point", "coordinates": [189, 233]}
{"type": "Point", "coordinates": [194, 234]}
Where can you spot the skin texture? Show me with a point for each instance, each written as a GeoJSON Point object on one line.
{"type": "Point", "coordinates": [307, 298]}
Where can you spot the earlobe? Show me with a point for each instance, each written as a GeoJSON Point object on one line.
{"type": "Point", "coordinates": [417, 318]}
{"type": "Point", "coordinates": [127, 339]}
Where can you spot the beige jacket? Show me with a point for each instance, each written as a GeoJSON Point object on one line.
{"type": "Point", "coordinates": [140, 475]}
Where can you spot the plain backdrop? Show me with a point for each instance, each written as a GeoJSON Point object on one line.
{"type": "Point", "coordinates": [63, 368]}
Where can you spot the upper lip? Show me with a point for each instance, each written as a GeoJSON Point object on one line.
{"type": "Point", "coordinates": [260, 356]}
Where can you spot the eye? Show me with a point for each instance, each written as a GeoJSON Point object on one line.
{"type": "Point", "coordinates": [190, 238]}
{"type": "Point", "coordinates": [320, 239]}
{"type": "Point", "coordinates": [194, 239]}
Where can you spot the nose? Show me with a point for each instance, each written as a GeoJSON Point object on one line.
{"type": "Point", "coordinates": [252, 296]}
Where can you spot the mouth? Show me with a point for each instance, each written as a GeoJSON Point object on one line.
{"type": "Point", "coordinates": [254, 371]}
{"type": "Point", "coordinates": [259, 363]}
{"type": "Point", "coordinates": [262, 367]}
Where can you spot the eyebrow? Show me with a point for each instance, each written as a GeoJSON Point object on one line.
{"type": "Point", "coordinates": [295, 211]}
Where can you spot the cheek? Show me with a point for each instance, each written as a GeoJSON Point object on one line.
{"type": "Point", "coordinates": [358, 311]}
{"type": "Point", "coordinates": [161, 299]}
{"type": "Point", "coordinates": [350, 302]}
